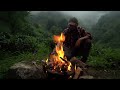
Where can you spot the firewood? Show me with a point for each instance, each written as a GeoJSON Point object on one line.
{"type": "Point", "coordinates": [77, 73]}
{"type": "Point", "coordinates": [77, 62]}
{"type": "Point", "coordinates": [64, 60]}
{"type": "Point", "coordinates": [64, 68]}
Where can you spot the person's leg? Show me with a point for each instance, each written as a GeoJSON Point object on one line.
{"type": "Point", "coordinates": [82, 50]}
{"type": "Point", "coordinates": [67, 52]}
{"type": "Point", "coordinates": [76, 51]}
{"type": "Point", "coordinates": [85, 50]}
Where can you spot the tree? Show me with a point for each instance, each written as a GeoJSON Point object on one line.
{"type": "Point", "coordinates": [106, 31]}
{"type": "Point", "coordinates": [55, 30]}
{"type": "Point", "coordinates": [50, 23]}
{"type": "Point", "coordinates": [16, 20]}
{"type": "Point", "coordinates": [63, 23]}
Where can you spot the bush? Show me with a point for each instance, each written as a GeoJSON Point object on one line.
{"type": "Point", "coordinates": [98, 62]}
{"type": "Point", "coordinates": [4, 40]}
{"type": "Point", "coordinates": [23, 43]}
{"type": "Point", "coordinates": [101, 56]}
{"type": "Point", "coordinates": [18, 42]}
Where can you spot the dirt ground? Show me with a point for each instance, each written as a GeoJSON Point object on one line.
{"type": "Point", "coordinates": [104, 73]}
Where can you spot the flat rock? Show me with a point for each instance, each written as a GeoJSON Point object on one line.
{"type": "Point", "coordinates": [23, 70]}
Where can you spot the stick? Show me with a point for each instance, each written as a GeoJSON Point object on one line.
{"type": "Point", "coordinates": [64, 60]}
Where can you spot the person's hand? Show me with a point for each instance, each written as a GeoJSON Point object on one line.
{"type": "Point", "coordinates": [78, 42]}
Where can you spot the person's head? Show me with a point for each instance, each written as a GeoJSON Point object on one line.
{"type": "Point", "coordinates": [73, 23]}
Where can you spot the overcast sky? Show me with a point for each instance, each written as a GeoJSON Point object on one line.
{"type": "Point", "coordinates": [82, 14]}
{"type": "Point", "coordinates": [79, 13]}
{"type": "Point", "coordinates": [86, 16]}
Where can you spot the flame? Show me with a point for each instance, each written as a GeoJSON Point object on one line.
{"type": "Point", "coordinates": [59, 47]}
{"type": "Point", "coordinates": [75, 67]}
{"type": "Point", "coordinates": [58, 39]}
{"type": "Point", "coordinates": [60, 52]}
{"type": "Point", "coordinates": [69, 67]}
{"type": "Point", "coordinates": [47, 60]}
{"type": "Point", "coordinates": [58, 62]}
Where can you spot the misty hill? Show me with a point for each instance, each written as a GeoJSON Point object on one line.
{"type": "Point", "coordinates": [58, 19]}
{"type": "Point", "coordinates": [107, 30]}
{"type": "Point", "coordinates": [86, 18]}
{"type": "Point", "coordinates": [28, 37]}
{"type": "Point", "coordinates": [49, 19]}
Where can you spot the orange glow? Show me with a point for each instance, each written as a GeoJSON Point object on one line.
{"type": "Point", "coordinates": [59, 39]}
{"type": "Point", "coordinates": [58, 62]}
{"type": "Point", "coordinates": [75, 67]}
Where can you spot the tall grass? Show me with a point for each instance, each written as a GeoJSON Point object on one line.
{"type": "Point", "coordinates": [7, 59]}
{"type": "Point", "coordinates": [104, 57]}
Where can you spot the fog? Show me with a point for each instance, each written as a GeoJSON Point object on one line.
{"type": "Point", "coordinates": [80, 14]}
{"type": "Point", "coordinates": [88, 18]}
{"type": "Point", "coordinates": [85, 14]}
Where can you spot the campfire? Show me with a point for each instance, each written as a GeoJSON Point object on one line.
{"type": "Point", "coordinates": [57, 66]}
{"type": "Point", "coordinates": [57, 63]}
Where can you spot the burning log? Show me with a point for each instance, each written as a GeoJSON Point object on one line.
{"type": "Point", "coordinates": [57, 63]}
{"type": "Point", "coordinates": [64, 60]}
{"type": "Point", "coordinates": [80, 64]}
{"type": "Point", "coordinates": [58, 72]}
{"type": "Point", "coordinates": [63, 74]}
{"type": "Point", "coordinates": [58, 67]}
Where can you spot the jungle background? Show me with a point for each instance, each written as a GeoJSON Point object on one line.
{"type": "Point", "coordinates": [27, 35]}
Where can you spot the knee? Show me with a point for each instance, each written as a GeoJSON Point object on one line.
{"type": "Point", "coordinates": [88, 41]}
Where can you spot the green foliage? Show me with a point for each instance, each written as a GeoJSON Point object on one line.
{"type": "Point", "coordinates": [4, 40]}
{"type": "Point", "coordinates": [18, 42]}
{"type": "Point", "coordinates": [55, 30]}
{"type": "Point", "coordinates": [14, 19]}
{"type": "Point", "coordinates": [7, 59]}
{"type": "Point", "coordinates": [29, 37]}
{"type": "Point", "coordinates": [49, 20]}
{"type": "Point", "coordinates": [23, 43]}
{"type": "Point", "coordinates": [4, 27]}
{"type": "Point", "coordinates": [104, 57]}
{"type": "Point", "coordinates": [106, 31]}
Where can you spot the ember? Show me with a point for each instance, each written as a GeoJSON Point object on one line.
{"type": "Point", "coordinates": [57, 62]}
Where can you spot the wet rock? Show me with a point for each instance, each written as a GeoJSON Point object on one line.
{"type": "Point", "coordinates": [23, 70]}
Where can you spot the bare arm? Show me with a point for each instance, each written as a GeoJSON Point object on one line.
{"type": "Point", "coordinates": [83, 38]}
{"type": "Point", "coordinates": [80, 40]}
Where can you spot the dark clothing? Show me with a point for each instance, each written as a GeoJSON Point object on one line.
{"type": "Point", "coordinates": [82, 50]}
{"type": "Point", "coordinates": [70, 40]}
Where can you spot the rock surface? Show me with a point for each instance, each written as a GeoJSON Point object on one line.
{"type": "Point", "coordinates": [31, 70]}
{"type": "Point", "coordinates": [23, 70]}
